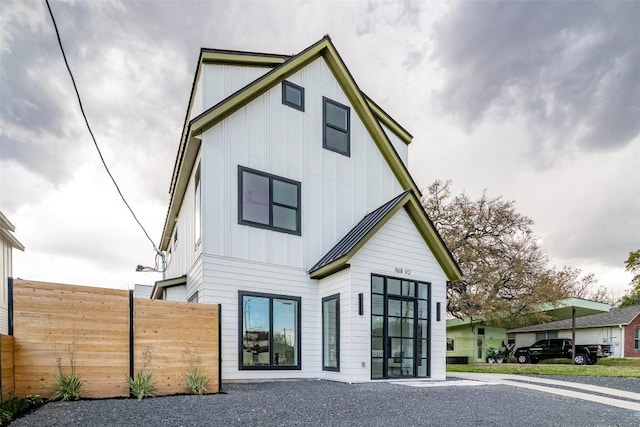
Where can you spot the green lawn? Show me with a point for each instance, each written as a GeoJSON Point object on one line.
{"type": "Point", "coordinates": [628, 368]}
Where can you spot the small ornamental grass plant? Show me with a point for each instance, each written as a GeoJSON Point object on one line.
{"type": "Point", "coordinates": [68, 385]}
{"type": "Point", "coordinates": [15, 407]}
{"type": "Point", "coordinates": [142, 384]}
{"type": "Point", "coordinates": [197, 381]}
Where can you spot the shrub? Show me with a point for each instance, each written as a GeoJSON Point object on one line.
{"type": "Point", "coordinates": [197, 381]}
{"type": "Point", "coordinates": [142, 384]}
{"type": "Point", "coordinates": [16, 407]}
{"type": "Point", "coordinates": [67, 386]}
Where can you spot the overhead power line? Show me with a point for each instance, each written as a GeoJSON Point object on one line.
{"type": "Point", "coordinates": [160, 260]}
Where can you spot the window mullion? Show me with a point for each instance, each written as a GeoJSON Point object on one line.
{"type": "Point", "coordinates": [270, 332]}
{"type": "Point", "coordinates": [270, 202]}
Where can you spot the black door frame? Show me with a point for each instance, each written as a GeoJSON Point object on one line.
{"type": "Point", "coordinates": [416, 299]}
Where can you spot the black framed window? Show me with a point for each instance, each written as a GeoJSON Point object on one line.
{"type": "Point", "coordinates": [637, 347]}
{"type": "Point", "coordinates": [400, 327]}
{"type": "Point", "coordinates": [268, 201]}
{"type": "Point", "coordinates": [335, 127]}
{"type": "Point", "coordinates": [269, 328]}
{"type": "Point", "coordinates": [450, 343]}
{"type": "Point", "coordinates": [293, 95]}
{"type": "Point", "coordinates": [331, 333]}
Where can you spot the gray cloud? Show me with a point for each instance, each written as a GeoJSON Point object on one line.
{"type": "Point", "coordinates": [569, 69]}
{"type": "Point", "coordinates": [605, 233]}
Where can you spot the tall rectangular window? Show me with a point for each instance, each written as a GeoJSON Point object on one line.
{"type": "Point", "coordinates": [197, 208]}
{"type": "Point", "coordinates": [637, 339]}
{"type": "Point", "coordinates": [269, 331]}
{"type": "Point", "coordinates": [450, 346]}
{"type": "Point", "coordinates": [335, 127]}
{"type": "Point", "coordinates": [293, 95]}
{"type": "Point", "coordinates": [331, 333]}
{"type": "Point", "coordinates": [268, 201]}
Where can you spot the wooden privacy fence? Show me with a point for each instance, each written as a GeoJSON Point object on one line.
{"type": "Point", "coordinates": [108, 336]}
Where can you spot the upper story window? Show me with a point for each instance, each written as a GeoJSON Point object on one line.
{"type": "Point", "coordinates": [268, 201]}
{"type": "Point", "coordinates": [293, 95]}
{"type": "Point", "coordinates": [335, 127]}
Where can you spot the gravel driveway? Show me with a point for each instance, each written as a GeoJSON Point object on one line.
{"type": "Point", "coordinates": [324, 403]}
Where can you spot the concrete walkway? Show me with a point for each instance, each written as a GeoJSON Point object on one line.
{"type": "Point", "coordinates": [604, 395]}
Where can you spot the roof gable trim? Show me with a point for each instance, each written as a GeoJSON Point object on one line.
{"type": "Point", "coordinates": [353, 241]}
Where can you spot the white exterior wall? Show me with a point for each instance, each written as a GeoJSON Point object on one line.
{"type": "Point", "coordinates": [6, 272]}
{"type": "Point", "coordinates": [220, 81]}
{"type": "Point", "coordinates": [525, 339]}
{"type": "Point", "coordinates": [337, 191]}
{"type": "Point", "coordinates": [175, 293]}
{"type": "Point", "coordinates": [602, 335]}
{"type": "Point", "coordinates": [184, 254]}
{"type": "Point", "coordinates": [396, 245]}
{"type": "Point", "coordinates": [225, 276]}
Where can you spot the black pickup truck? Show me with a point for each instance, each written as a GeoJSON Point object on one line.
{"type": "Point", "coordinates": [560, 348]}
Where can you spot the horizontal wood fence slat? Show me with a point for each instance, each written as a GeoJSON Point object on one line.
{"type": "Point", "coordinates": [54, 324]}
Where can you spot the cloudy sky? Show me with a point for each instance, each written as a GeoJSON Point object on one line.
{"type": "Point", "coordinates": [537, 102]}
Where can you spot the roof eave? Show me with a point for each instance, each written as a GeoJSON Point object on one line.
{"type": "Point", "coordinates": [11, 239]}
{"type": "Point", "coordinates": [389, 122]}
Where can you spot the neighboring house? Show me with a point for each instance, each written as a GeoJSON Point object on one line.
{"type": "Point", "coordinates": [8, 242]}
{"type": "Point", "coordinates": [292, 207]}
{"type": "Point", "coordinates": [472, 342]}
{"type": "Point", "coordinates": [620, 328]}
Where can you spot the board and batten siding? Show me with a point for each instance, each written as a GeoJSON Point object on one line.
{"type": "Point", "coordinates": [337, 191]}
{"type": "Point", "coordinates": [225, 276]}
{"type": "Point", "coordinates": [397, 244]}
{"type": "Point", "coordinates": [184, 254]}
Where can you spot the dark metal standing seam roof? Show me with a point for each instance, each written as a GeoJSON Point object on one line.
{"type": "Point", "coordinates": [614, 317]}
{"type": "Point", "coordinates": [357, 233]}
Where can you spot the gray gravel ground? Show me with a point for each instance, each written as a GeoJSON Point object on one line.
{"type": "Point", "coordinates": [324, 403]}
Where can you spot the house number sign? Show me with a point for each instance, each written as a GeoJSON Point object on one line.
{"type": "Point", "coordinates": [402, 270]}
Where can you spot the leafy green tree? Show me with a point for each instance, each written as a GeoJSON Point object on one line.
{"type": "Point", "coordinates": [506, 273]}
{"type": "Point", "coordinates": [632, 265]}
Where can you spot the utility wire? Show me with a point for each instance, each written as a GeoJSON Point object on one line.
{"type": "Point", "coordinates": [75, 87]}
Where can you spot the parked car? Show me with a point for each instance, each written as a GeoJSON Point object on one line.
{"type": "Point", "coordinates": [560, 348]}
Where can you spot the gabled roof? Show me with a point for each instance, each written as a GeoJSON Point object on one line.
{"type": "Point", "coordinates": [616, 316]}
{"type": "Point", "coordinates": [6, 228]}
{"type": "Point", "coordinates": [160, 285]}
{"type": "Point", "coordinates": [284, 66]}
{"type": "Point", "coordinates": [338, 256]}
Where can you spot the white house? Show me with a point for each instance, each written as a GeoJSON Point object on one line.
{"type": "Point", "coordinates": [619, 328]}
{"type": "Point", "coordinates": [292, 207]}
{"type": "Point", "coordinates": [7, 243]}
